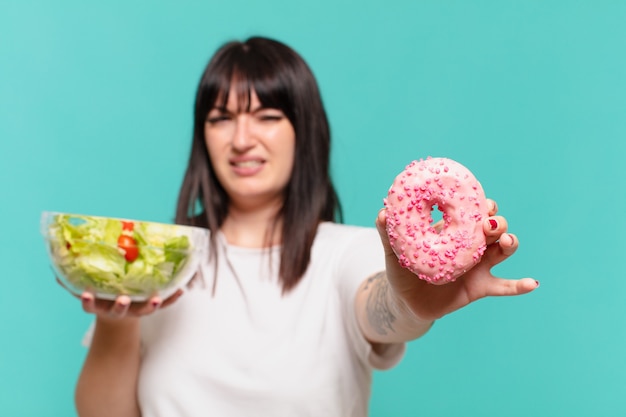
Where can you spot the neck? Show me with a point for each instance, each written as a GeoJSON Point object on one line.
{"type": "Point", "coordinates": [251, 227]}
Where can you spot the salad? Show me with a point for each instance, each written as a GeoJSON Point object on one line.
{"type": "Point", "coordinates": [114, 256]}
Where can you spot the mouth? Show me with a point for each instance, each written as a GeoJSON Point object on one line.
{"type": "Point", "coordinates": [246, 164]}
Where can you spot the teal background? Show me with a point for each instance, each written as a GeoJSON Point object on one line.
{"type": "Point", "coordinates": [95, 118]}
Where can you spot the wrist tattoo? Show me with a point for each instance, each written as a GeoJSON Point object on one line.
{"type": "Point", "coordinates": [378, 314]}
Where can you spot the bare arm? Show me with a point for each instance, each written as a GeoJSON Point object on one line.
{"type": "Point", "coordinates": [107, 385]}
{"type": "Point", "coordinates": [383, 318]}
{"type": "Point", "coordinates": [396, 306]}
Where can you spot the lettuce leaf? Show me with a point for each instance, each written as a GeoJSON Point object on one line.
{"type": "Point", "coordinates": [84, 249]}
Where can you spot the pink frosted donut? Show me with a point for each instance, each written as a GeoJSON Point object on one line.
{"type": "Point", "coordinates": [436, 257]}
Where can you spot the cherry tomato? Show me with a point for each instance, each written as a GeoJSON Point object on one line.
{"type": "Point", "coordinates": [129, 246]}
{"type": "Point", "coordinates": [128, 226]}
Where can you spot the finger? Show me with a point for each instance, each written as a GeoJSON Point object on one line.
{"type": "Point", "coordinates": [381, 225]}
{"type": "Point", "coordinates": [494, 227]}
{"type": "Point", "coordinates": [147, 307]}
{"type": "Point", "coordinates": [500, 287]}
{"type": "Point", "coordinates": [438, 226]}
{"type": "Point", "coordinates": [381, 219]}
{"type": "Point", "coordinates": [88, 302]}
{"type": "Point", "coordinates": [498, 252]}
{"type": "Point", "coordinates": [153, 304]}
{"type": "Point", "coordinates": [493, 207]}
{"type": "Point", "coordinates": [172, 299]}
{"type": "Point", "coordinates": [120, 306]}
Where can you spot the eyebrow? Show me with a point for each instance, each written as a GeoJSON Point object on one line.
{"type": "Point", "coordinates": [254, 110]}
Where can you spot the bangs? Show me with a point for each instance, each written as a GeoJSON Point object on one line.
{"type": "Point", "coordinates": [241, 72]}
{"type": "Point", "coordinates": [240, 85]}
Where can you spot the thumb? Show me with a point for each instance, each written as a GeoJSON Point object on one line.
{"type": "Point", "coordinates": [381, 226]}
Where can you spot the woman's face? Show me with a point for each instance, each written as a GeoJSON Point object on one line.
{"type": "Point", "coordinates": [252, 152]}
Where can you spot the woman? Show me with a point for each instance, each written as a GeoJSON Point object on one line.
{"type": "Point", "coordinates": [294, 311]}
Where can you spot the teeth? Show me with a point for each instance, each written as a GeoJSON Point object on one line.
{"type": "Point", "coordinates": [248, 164]}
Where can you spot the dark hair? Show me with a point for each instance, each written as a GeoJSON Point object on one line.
{"type": "Point", "coordinates": [282, 80]}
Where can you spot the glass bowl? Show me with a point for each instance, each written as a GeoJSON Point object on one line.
{"type": "Point", "coordinates": [111, 256]}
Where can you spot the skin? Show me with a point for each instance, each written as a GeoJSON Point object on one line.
{"type": "Point", "coordinates": [253, 156]}
{"type": "Point", "coordinates": [394, 306]}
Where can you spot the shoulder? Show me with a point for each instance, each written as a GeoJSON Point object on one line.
{"type": "Point", "coordinates": [335, 239]}
{"type": "Point", "coordinates": [337, 234]}
{"type": "Point", "coordinates": [347, 255]}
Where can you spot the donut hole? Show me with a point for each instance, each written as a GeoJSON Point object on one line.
{"type": "Point", "coordinates": [436, 214]}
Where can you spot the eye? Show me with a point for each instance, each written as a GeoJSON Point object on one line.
{"type": "Point", "coordinates": [270, 115]}
{"type": "Point", "coordinates": [217, 118]}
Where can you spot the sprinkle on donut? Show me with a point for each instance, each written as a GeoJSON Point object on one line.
{"type": "Point", "coordinates": [436, 256]}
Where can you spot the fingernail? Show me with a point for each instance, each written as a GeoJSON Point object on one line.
{"type": "Point", "coordinates": [85, 298]}
{"type": "Point", "coordinates": [537, 282]}
{"type": "Point", "coordinates": [512, 239]}
{"type": "Point", "coordinates": [155, 303]}
{"type": "Point", "coordinates": [493, 224]}
{"type": "Point", "coordinates": [123, 302]}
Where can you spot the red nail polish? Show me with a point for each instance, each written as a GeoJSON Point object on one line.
{"type": "Point", "coordinates": [537, 282]}
{"type": "Point", "coordinates": [493, 224]}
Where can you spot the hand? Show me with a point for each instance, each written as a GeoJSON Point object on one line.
{"type": "Point", "coordinates": [123, 306]}
{"type": "Point", "coordinates": [429, 301]}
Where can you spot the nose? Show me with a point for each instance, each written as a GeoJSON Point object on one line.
{"type": "Point", "coordinates": [243, 138]}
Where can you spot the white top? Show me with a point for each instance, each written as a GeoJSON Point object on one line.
{"type": "Point", "coordinates": [247, 350]}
